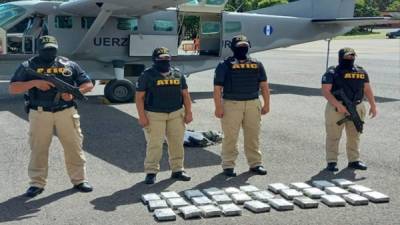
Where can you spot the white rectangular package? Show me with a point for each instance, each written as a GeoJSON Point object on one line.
{"type": "Point", "coordinates": [231, 209]}
{"type": "Point", "coordinates": [376, 197]}
{"type": "Point", "coordinates": [262, 196]}
{"type": "Point", "coordinates": [305, 202]}
{"type": "Point", "coordinates": [213, 191]}
{"type": "Point", "coordinates": [190, 211]}
{"type": "Point", "coordinates": [166, 214]}
{"type": "Point", "coordinates": [336, 191]}
{"type": "Point", "coordinates": [333, 200]}
{"type": "Point", "coordinates": [169, 194]}
{"type": "Point", "coordinates": [322, 184]}
{"type": "Point", "coordinates": [299, 186]}
{"type": "Point", "coordinates": [189, 194]}
{"type": "Point", "coordinates": [156, 204]}
{"type": "Point", "coordinates": [150, 197]}
{"type": "Point", "coordinates": [355, 199]}
{"type": "Point", "coordinates": [314, 193]}
{"type": "Point", "coordinates": [175, 203]}
{"type": "Point", "coordinates": [210, 211]}
{"type": "Point", "coordinates": [257, 206]}
{"type": "Point", "coordinates": [231, 190]}
{"type": "Point", "coordinates": [221, 199]}
{"type": "Point", "coordinates": [280, 204]}
{"type": "Point", "coordinates": [249, 188]}
{"type": "Point", "coordinates": [276, 187]}
{"type": "Point", "coordinates": [197, 201]}
{"type": "Point", "coordinates": [289, 194]}
{"type": "Point", "coordinates": [359, 189]}
{"type": "Point", "coordinates": [240, 198]}
{"type": "Point", "coordinates": [343, 183]}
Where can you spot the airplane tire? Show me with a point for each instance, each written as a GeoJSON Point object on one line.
{"type": "Point", "coordinates": [119, 91]}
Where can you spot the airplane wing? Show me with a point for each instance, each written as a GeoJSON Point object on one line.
{"type": "Point", "coordinates": [354, 21]}
{"type": "Point", "coordinates": [129, 8]}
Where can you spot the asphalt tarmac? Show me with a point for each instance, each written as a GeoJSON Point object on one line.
{"type": "Point", "coordinates": [292, 136]}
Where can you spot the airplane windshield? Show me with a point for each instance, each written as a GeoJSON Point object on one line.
{"type": "Point", "coordinates": [9, 13]}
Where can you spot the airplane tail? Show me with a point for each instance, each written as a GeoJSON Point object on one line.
{"type": "Point", "coordinates": [315, 9]}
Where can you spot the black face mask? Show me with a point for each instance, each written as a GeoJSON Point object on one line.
{"type": "Point", "coordinates": [163, 66]}
{"type": "Point", "coordinates": [48, 55]}
{"type": "Point", "coordinates": [240, 53]}
{"type": "Point", "coordinates": [347, 64]}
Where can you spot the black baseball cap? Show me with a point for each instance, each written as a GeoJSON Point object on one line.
{"type": "Point", "coordinates": [240, 40]}
{"type": "Point", "coordinates": [47, 42]}
{"type": "Point", "coordinates": [347, 51]}
{"type": "Point", "coordinates": [161, 54]}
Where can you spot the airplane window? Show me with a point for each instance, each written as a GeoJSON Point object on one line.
{"type": "Point", "coordinates": [9, 13]}
{"type": "Point", "coordinates": [232, 27]}
{"type": "Point", "coordinates": [215, 2]}
{"type": "Point", "coordinates": [87, 22]}
{"type": "Point", "coordinates": [21, 26]}
{"type": "Point", "coordinates": [163, 25]}
{"type": "Point", "coordinates": [210, 27]}
{"type": "Point", "coordinates": [127, 24]}
{"type": "Point", "coordinates": [63, 22]}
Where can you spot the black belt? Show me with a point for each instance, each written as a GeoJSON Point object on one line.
{"type": "Point", "coordinates": [52, 109]}
{"type": "Point", "coordinates": [355, 102]}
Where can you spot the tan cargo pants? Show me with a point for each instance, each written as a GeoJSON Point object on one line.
{"type": "Point", "coordinates": [334, 133]}
{"type": "Point", "coordinates": [67, 126]}
{"type": "Point", "coordinates": [161, 125]}
{"type": "Point", "coordinates": [237, 114]}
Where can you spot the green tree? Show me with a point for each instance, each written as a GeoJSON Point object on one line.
{"type": "Point", "coordinates": [247, 5]}
{"type": "Point", "coordinates": [394, 6]}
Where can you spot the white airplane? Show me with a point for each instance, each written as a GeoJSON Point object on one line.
{"type": "Point", "coordinates": [113, 39]}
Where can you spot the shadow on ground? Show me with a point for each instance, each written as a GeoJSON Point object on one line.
{"type": "Point", "coordinates": [20, 207]}
{"type": "Point", "coordinates": [116, 137]}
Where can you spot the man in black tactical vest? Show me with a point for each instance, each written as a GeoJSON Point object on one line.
{"type": "Point", "coordinates": [237, 83]}
{"type": "Point", "coordinates": [161, 93]}
{"type": "Point", "coordinates": [354, 81]}
{"type": "Point", "coordinates": [49, 109]}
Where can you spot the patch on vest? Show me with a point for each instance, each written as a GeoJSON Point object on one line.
{"type": "Point", "coordinates": [358, 76]}
{"type": "Point", "coordinates": [168, 82]}
{"type": "Point", "coordinates": [239, 66]}
{"type": "Point", "coordinates": [52, 70]}
{"type": "Point", "coordinates": [67, 72]}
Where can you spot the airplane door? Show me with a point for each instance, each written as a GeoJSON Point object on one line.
{"type": "Point", "coordinates": [210, 34]}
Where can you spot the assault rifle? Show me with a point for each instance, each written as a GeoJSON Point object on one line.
{"type": "Point", "coordinates": [352, 109]}
{"type": "Point", "coordinates": [60, 85]}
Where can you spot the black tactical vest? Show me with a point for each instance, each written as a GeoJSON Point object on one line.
{"type": "Point", "coordinates": [242, 80]}
{"type": "Point", "coordinates": [165, 93]}
{"type": "Point", "coordinates": [60, 68]}
{"type": "Point", "coordinates": [351, 81]}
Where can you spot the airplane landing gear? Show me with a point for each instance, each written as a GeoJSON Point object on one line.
{"type": "Point", "coordinates": [119, 91]}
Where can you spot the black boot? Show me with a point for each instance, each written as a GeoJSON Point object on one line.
{"type": "Point", "coordinates": [180, 175]}
{"type": "Point", "coordinates": [150, 178]}
{"type": "Point", "coordinates": [260, 170]}
{"type": "Point", "coordinates": [229, 172]}
{"type": "Point", "coordinates": [332, 166]}
{"type": "Point", "coordinates": [33, 191]}
{"type": "Point", "coordinates": [84, 187]}
{"type": "Point", "coordinates": [357, 165]}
